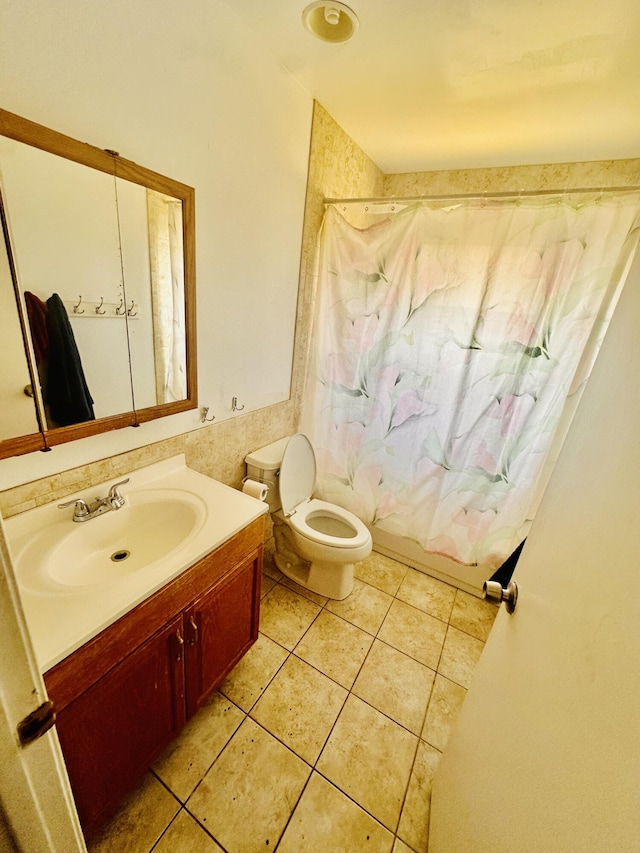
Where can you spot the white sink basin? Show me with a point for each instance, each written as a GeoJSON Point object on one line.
{"type": "Point", "coordinates": [76, 578]}
{"type": "Point", "coordinates": [149, 527]}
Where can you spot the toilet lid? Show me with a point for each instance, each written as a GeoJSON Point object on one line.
{"type": "Point", "coordinates": [297, 473]}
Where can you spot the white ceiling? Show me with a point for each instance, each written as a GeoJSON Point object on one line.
{"type": "Point", "coordinates": [438, 84]}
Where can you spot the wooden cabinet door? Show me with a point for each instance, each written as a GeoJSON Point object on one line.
{"type": "Point", "coordinates": [114, 731]}
{"type": "Point", "coordinates": [219, 628]}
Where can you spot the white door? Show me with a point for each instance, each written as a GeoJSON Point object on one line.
{"type": "Point", "coordinates": [37, 813]}
{"type": "Point", "coordinates": [546, 754]}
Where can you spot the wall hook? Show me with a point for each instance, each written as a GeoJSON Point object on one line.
{"type": "Point", "coordinates": [130, 311]}
{"type": "Point", "coordinates": [204, 411]}
{"type": "Point", "coordinates": [235, 407]}
{"type": "Point", "coordinates": [121, 308]}
{"type": "Point", "coordinates": [98, 307]}
{"type": "Point", "coordinates": [77, 307]}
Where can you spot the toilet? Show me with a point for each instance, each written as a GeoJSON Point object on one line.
{"type": "Point", "coordinates": [317, 543]}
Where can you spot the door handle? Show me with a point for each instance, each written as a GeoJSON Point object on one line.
{"type": "Point", "coordinates": [494, 591]}
{"type": "Point", "coordinates": [194, 628]}
{"type": "Point", "coordinates": [180, 643]}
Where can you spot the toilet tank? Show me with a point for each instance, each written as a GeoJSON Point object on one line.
{"type": "Point", "coordinates": [264, 465]}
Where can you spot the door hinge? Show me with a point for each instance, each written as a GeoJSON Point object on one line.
{"type": "Point", "coordinates": [37, 723]}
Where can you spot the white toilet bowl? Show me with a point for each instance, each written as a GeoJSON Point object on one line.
{"type": "Point", "coordinates": [317, 543]}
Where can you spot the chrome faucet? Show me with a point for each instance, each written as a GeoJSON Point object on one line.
{"type": "Point", "coordinates": [83, 511]}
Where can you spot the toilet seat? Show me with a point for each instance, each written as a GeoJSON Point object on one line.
{"type": "Point", "coordinates": [303, 516]}
{"type": "Point", "coordinates": [297, 482]}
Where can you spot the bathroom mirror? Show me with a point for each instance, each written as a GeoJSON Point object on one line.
{"type": "Point", "coordinates": [99, 254]}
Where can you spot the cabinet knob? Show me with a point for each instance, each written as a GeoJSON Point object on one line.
{"type": "Point", "coordinates": [194, 628]}
{"type": "Point", "coordinates": [180, 642]}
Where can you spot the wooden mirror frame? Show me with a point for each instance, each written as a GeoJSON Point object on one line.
{"type": "Point", "coordinates": [38, 136]}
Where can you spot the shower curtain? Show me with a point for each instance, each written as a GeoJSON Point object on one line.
{"type": "Point", "coordinates": [446, 341]}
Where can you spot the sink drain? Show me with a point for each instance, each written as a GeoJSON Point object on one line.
{"type": "Point", "coordinates": [119, 556]}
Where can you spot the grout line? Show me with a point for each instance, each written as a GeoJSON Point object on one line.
{"type": "Point", "coordinates": [164, 831]}
{"type": "Point", "coordinates": [288, 821]}
{"type": "Point", "coordinates": [376, 637]}
{"type": "Point", "coordinates": [208, 831]}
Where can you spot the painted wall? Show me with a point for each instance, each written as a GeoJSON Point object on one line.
{"type": "Point", "coordinates": [185, 90]}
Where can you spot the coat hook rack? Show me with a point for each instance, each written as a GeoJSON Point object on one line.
{"type": "Point", "coordinates": [86, 309]}
{"type": "Point", "coordinates": [204, 411]}
{"type": "Point", "coordinates": [235, 407]}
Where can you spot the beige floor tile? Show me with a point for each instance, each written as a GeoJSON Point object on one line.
{"type": "Point", "coordinates": [445, 703]}
{"type": "Point", "coordinates": [267, 584]}
{"type": "Point", "coordinates": [460, 655]}
{"type": "Point", "coordinates": [300, 707]}
{"type": "Point", "coordinates": [365, 607]}
{"type": "Point", "coordinates": [250, 677]}
{"type": "Point", "coordinates": [140, 822]}
{"type": "Point", "coordinates": [369, 757]}
{"type": "Point", "coordinates": [185, 835]}
{"type": "Point", "coordinates": [413, 632]}
{"type": "Point", "coordinates": [395, 684]}
{"type": "Point", "coordinates": [414, 821]}
{"type": "Point", "coordinates": [428, 594]}
{"type": "Point", "coordinates": [246, 798]}
{"type": "Point", "coordinates": [188, 758]}
{"type": "Point", "coordinates": [301, 590]}
{"type": "Point", "coordinates": [326, 820]}
{"type": "Point", "coordinates": [285, 615]}
{"type": "Point", "coordinates": [473, 615]}
{"type": "Point", "coordinates": [382, 572]}
{"type": "Point", "coordinates": [335, 647]}
{"type": "Point", "coordinates": [401, 847]}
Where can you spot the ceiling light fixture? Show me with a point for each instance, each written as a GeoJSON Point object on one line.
{"type": "Point", "coordinates": [330, 21]}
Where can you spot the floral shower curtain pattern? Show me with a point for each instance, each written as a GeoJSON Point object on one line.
{"type": "Point", "coordinates": [446, 341]}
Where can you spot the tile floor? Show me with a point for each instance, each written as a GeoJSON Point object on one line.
{"type": "Point", "coordinates": [326, 736]}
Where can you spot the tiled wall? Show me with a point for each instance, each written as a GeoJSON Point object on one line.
{"type": "Point", "coordinates": [599, 174]}
{"type": "Point", "coordinates": [337, 169]}
{"type": "Point", "coordinates": [217, 450]}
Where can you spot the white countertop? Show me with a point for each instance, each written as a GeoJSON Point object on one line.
{"type": "Point", "coordinates": [61, 618]}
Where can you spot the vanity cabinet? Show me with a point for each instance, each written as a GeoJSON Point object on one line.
{"type": "Point", "coordinates": [216, 634]}
{"type": "Point", "coordinates": [126, 694]}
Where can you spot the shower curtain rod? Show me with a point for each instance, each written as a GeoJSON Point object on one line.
{"type": "Point", "coordinates": [479, 195]}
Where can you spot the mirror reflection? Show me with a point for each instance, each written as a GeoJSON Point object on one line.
{"type": "Point", "coordinates": [63, 229]}
{"type": "Point", "coordinates": [153, 259]}
{"type": "Point", "coordinates": [16, 389]}
{"type": "Point", "coordinates": [101, 268]}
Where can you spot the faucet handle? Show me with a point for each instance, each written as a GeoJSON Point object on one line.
{"type": "Point", "coordinates": [80, 507]}
{"type": "Point", "coordinates": [115, 497]}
